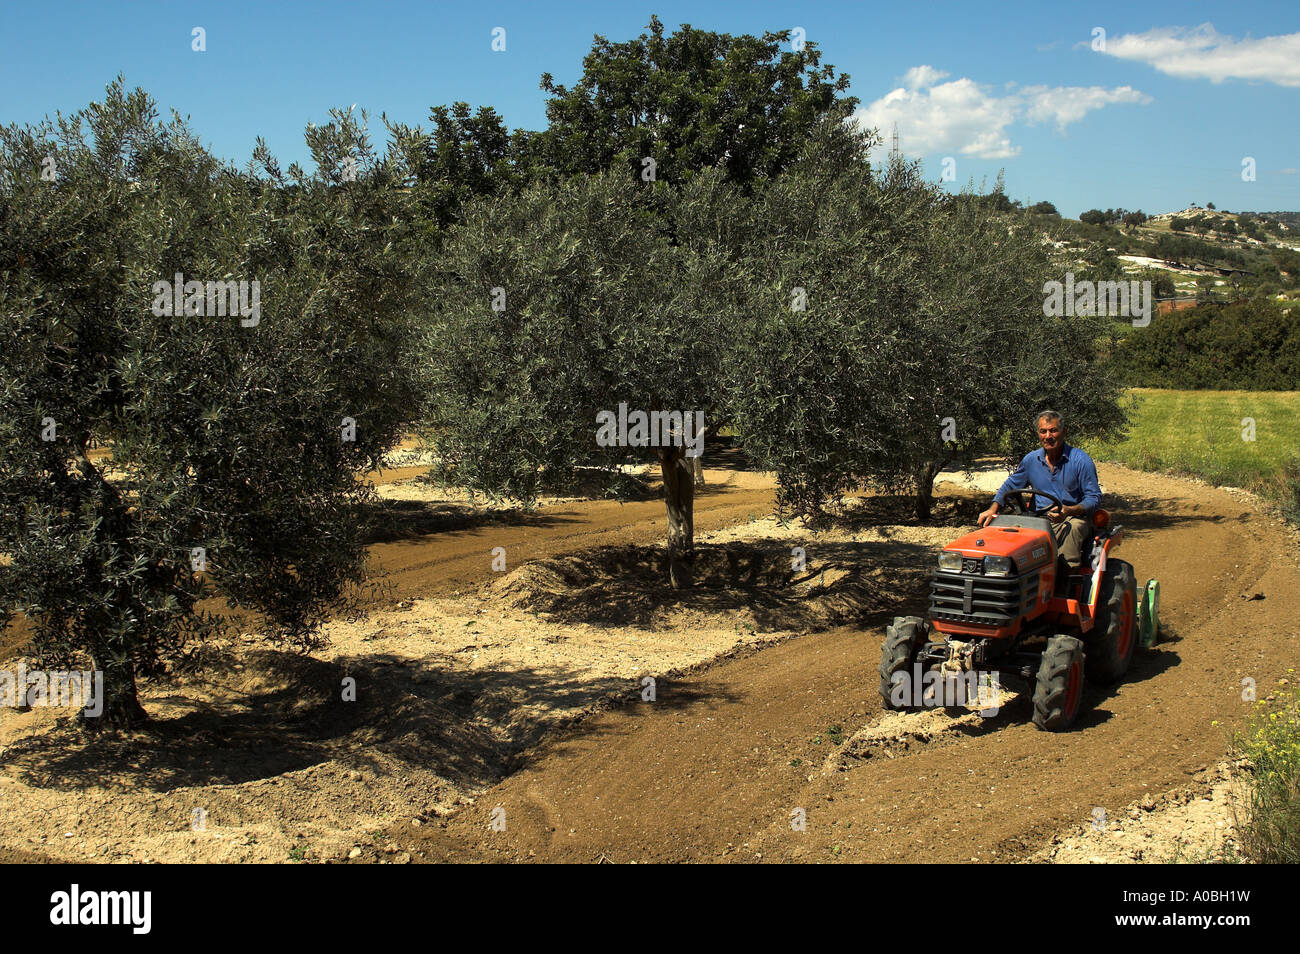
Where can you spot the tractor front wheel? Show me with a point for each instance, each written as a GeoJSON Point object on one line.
{"type": "Point", "coordinates": [903, 640]}
{"type": "Point", "coordinates": [1115, 637]}
{"type": "Point", "coordinates": [1058, 691]}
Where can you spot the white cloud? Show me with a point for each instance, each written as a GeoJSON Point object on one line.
{"type": "Point", "coordinates": [919, 76]}
{"type": "Point", "coordinates": [1204, 53]}
{"type": "Point", "coordinates": [1069, 104]}
{"type": "Point", "coordinates": [964, 117]}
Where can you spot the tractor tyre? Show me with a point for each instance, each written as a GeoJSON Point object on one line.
{"type": "Point", "coordinates": [1058, 691]}
{"type": "Point", "coordinates": [1114, 639]}
{"type": "Point", "coordinates": [903, 640]}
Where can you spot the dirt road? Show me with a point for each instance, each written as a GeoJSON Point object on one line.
{"type": "Point", "coordinates": [421, 566]}
{"type": "Point", "coordinates": [462, 697]}
{"type": "Point", "coordinates": [715, 767]}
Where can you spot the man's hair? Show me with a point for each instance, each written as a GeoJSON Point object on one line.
{"type": "Point", "coordinates": [1051, 416]}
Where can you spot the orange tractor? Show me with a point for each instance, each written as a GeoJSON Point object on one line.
{"type": "Point", "coordinates": [1004, 601]}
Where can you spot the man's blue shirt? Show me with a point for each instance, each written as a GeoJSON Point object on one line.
{"type": "Point", "coordinates": [1075, 479]}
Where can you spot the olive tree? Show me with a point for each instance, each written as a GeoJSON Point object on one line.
{"type": "Point", "coordinates": [904, 331]}
{"type": "Point", "coordinates": [991, 356]}
{"type": "Point", "coordinates": [232, 345]}
{"type": "Point", "coordinates": [834, 350]}
{"type": "Point", "coordinates": [567, 308]}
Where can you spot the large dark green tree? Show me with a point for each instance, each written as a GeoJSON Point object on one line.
{"type": "Point", "coordinates": [827, 383]}
{"type": "Point", "coordinates": [691, 100]}
{"type": "Point", "coordinates": [464, 155]}
{"type": "Point", "coordinates": [991, 358]}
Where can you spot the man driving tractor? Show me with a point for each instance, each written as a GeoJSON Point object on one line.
{"type": "Point", "coordinates": [1003, 601]}
{"type": "Point", "coordinates": [1063, 470]}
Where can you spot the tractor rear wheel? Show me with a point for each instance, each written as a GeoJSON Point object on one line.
{"type": "Point", "coordinates": [903, 640]}
{"type": "Point", "coordinates": [1113, 640]}
{"type": "Point", "coordinates": [1058, 691]}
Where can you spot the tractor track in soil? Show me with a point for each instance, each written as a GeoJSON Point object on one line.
{"type": "Point", "coordinates": [717, 775]}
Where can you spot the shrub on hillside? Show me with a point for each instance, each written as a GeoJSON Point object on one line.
{"type": "Point", "coordinates": [1182, 248]}
{"type": "Point", "coordinates": [1249, 345]}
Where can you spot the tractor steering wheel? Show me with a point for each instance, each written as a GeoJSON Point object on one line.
{"type": "Point", "coordinates": [1019, 506]}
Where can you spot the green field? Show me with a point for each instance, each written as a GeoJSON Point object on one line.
{"type": "Point", "coordinates": [1201, 433]}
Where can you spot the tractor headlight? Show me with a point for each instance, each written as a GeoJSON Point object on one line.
{"type": "Point", "coordinates": [997, 566]}
{"type": "Point", "coordinates": [950, 561]}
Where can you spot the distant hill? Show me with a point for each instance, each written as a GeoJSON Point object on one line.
{"type": "Point", "coordinates": [1196, 252]}
{"type": "Point", "coordinates": [1291, 219]}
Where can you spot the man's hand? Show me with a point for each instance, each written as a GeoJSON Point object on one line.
{"type": "Point", "coordinates": [987, 516]}
{"type": "Point", "coordinates": [1057, 514]}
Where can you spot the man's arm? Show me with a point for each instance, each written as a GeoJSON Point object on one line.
{"type": "Point", "coordinates": [1018, 480]}
{"type": "Point", "coordinates": [1091, 487]}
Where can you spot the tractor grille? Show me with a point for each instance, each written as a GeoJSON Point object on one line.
{"type": "Point", "coordinates": [984, 600]}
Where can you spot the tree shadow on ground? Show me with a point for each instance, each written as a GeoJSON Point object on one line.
{"type": "Point", "coordinates": [952, 509]}
{"type": "Point", "coordinates": [727, 454]}
{"type": "Point", "coordinates": [840, 582]}
{"type": "Point", "coordinates": [1140, 513]}
{"type": "Point", "coordinates": [388, 521]}
{"type": "Point", "coordinates": [472, 728]}
{"type": "Point", "coordinates": [1146, 665]}
{"type": "Point", "coordinates": [391, 520]}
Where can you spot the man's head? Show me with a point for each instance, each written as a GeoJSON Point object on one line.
{"type": "Point", "coordinates": [1051, 430]}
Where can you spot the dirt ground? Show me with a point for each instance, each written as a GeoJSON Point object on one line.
{"type": "Point", "coordinates": [1194, 824]}
{"type": "Point", "coordinates": [568, 705]}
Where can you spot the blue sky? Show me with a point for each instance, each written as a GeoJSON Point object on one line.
{"type": "Point", "coordinates": [1162, 118]}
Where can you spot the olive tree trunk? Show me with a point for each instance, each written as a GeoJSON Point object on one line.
{"type": "Point", "coordinates": [925, 488]}
{"type": "Point", "coordinates": [679, 499]}
{"type": "Point", "coordinates": [121, 702]}
{"type": "Point", "coordinates": [697, 470]}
